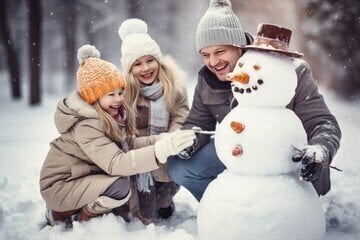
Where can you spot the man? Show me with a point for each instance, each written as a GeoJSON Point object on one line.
{"type": "Point", "coordinates": [218, 38]}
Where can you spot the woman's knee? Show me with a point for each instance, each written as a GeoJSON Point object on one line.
{"type": "Point", "coordinates": [118, 189]}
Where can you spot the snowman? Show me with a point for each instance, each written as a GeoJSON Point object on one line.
{"type": "Point", "coordinates": [260, 195]}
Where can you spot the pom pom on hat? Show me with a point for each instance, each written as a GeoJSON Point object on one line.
{"type": "Point", "coordinates": [96, 77]}
{"type": "Point", "coordinates": [220, 3]}
{"type": "Point", "coordinates": [87, 51]}
{"type": "Point", "coordinates": [130, 26]}
{"type": "Point", "coordinates": [219, 26]}
{"type": "Point", "coordinates": [136, 43]}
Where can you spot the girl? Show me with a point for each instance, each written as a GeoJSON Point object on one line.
{"type": "Point", "coordinates": [158, 98]}
{"type": "Point", "coordinates": [86, 170]}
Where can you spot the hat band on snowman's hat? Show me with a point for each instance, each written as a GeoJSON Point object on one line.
{"type": "Point", "coordinates": [274, 38]}
{"type": "Point", "coordinates": [271, 43]}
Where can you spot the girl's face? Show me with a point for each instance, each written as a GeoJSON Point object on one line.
{"type": "Point", "coordinates": [145, 69]}
{"type": "Point", "coordinates": [112, 101]}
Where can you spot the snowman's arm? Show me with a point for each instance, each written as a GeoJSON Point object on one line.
{"type": "Point", "coordinates": [308, 104]}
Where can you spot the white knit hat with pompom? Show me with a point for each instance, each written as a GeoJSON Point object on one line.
{"type": "Point", "coordinates": [136, 43]}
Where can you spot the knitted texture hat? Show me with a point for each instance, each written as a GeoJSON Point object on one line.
{"type": "Point", "coordinates": [96, 77]}
{"type": "Point", "coordinates": [136, 42]}
{"type": "Point", "coordinates": [219, 26]}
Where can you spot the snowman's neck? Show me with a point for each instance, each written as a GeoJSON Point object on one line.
{"type": "Point", "coordinates": [212, 80]}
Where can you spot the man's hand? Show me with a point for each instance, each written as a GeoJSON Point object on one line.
{"type": "Point", "coordinates": [312, 158]}
{"type": "Point", "coordinates": [188, 152]}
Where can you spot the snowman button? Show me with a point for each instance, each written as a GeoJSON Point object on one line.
{"type": "Point", "coordinates": [238, 127]}
{"type": "Point", "coordinates": [237, 151]}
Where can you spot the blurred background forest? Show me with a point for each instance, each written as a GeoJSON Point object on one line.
{"type": "Point", "coordinates": [39, 38]}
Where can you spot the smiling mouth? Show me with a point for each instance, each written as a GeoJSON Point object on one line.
{"type": "Point", "coordinates": [218, 69]}
{"type": "Point", "coordinates": [147, 75]}
{"type": "Point", "coordinates": [114, 107]}
{"type": "Point", "coordinates": [248, 89]}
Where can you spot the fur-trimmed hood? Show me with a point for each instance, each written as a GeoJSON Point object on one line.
{"type": "Point", "coordinates": [72, 109]}
{"type": "Point", "coordinates": [170, 63]}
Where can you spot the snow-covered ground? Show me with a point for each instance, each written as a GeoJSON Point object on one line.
{"type": "Point", "coordinates": [25, 134]}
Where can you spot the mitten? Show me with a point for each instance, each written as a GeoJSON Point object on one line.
{"type": "Point", "coordinates": [312, 159]}
{"type": "Point", "coordinates": [162, 135]}
{"type": "Point", "coordinates": [173, 143]}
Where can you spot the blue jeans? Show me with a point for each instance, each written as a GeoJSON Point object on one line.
{"type": "Point", "coordinates": [196, 173]}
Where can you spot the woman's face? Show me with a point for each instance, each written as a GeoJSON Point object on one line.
{"type": "Point", "coordinates": [145, 69]}
{"type": "Point", "coordinates": [112, 101]}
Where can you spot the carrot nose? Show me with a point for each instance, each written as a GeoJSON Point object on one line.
{"type": "Point", "coordinates": [241, 77]}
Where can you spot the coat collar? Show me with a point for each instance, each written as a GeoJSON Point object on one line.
{"type": "Point", "coordinates": [211, 79]}
{"type": "Point", "coordinates": [77, 104]}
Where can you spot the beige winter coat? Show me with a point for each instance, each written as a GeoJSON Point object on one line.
{"type": "Point", "coordinates": [83, 162]}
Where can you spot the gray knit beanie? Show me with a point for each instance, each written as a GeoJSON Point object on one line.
{"type": "Point", "coordinates": [219, 26]}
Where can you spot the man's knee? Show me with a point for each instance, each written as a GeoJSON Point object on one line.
{"type": "Point", "coordinates": [176, 168]}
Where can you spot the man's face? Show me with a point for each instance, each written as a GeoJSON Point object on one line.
{"type": "Point", "coordinates": [220, 59]}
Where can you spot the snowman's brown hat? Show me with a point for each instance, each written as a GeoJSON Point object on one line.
{"type": "Point", "coordinates": [274, 38]}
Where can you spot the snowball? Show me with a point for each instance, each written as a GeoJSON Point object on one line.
{"type": "Point", "coordinates": [267, 140]}
{"type": "Point", "coordinates": [260, 208]}
{"type": "Point", "coordinates": [278, 76]}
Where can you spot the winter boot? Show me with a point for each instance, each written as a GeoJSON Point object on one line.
{"type": "Point", "coordinates": [165, 213]}
{"type": "Point", "coordinates": [122, 211]}
{"type": "Point", "coordinates": [101, 205]}
{"type": "Point", "coordinates": [54, 218]}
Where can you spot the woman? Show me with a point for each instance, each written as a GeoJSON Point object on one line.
{"type": "Point", "coordinates": [157, 95]}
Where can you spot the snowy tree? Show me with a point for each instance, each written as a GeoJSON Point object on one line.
{"type": "Point", "coordinates": [337, 32]}
{"type": "Point", "coordinates": [10, 47]}
{"type": "Point", "coordinates": [70, 11]}
{"type": "Point", "coordinates": [34, 42]}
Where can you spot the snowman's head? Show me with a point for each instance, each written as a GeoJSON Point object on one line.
{"type": "Point", "coordinates": [263, 79]}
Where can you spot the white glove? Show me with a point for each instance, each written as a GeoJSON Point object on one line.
{"type": "Point", "coordinates": [173, 143]}
{"type": "Point", "coordinates": [163, 135]}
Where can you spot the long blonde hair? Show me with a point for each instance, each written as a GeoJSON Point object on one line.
{"type": "Point", "coordinates": [172, 79]}
{"type": "Point", "coordinates": [111, 127]}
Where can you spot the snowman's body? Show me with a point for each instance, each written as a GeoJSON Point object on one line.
{"type": "Point", "coordinates": [259, 196]}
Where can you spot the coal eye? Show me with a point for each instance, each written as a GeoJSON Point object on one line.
{"type": "Point", "coordinates": [240, 64]}
{"type": "Point", "coordinates": [256, 67]}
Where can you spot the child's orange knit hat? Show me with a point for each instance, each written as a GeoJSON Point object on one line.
{"type": "Point", "coordinates": [96, 77]}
